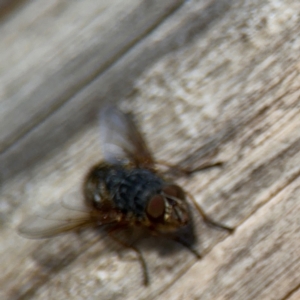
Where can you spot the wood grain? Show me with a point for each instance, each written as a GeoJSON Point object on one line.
{"type": "Point", "coordinates": [227, 90]}
{"type": "Point", "coordinates": [49, 52]}
{"type": "Point", "coordinates": [117, 81]}
{"type": "Point", "coordinates": [247, 265]}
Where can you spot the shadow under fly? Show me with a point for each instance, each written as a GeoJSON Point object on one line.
{"type": "Point", "coordinates": [125, 191]}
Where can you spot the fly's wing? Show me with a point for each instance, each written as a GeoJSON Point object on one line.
{"type": "Point", "coordinates": [121, 141]}
{"type": "Point", "coordinates": [37, 227]}
{"type": "Point", "coordinates": [61, 218]}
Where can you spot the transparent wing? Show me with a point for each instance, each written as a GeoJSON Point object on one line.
{"type": "Point", "coordinates": [55, 220]}
{"type": "Point", "coordinates": [62, 217]}
{"type": "Point", "coordinates": [120, 139]}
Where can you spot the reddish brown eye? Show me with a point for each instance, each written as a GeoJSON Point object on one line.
{"type": "Point", "coordinates": [156, 206]}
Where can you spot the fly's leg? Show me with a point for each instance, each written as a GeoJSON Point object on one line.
{"type": "Point", "coordinates": [187, 246]}
{"type": "Point", "coordinates": [188, 171]}
{"type": "Point", "coordinates": [111, 233]}
{"type": "Point", "coordinates": [207, 219]}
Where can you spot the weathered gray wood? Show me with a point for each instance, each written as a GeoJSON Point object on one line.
{"type": "Point", "coordinates": [111, 85]}
{"type": "Point", "coordinates": [295, 294]}
{"type": "Point", "coordinates": [82, 109]}
{"type": "Point", "coordinates": [261, 263]}
{"type": "Point", "coordinates": [230, 93]}
{"type": "Point", "coordinates": [51, 50]}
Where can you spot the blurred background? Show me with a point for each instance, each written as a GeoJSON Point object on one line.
{"type": "Point", "coordinates": [207, 81]}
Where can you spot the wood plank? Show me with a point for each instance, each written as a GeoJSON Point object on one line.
{"type": "Point", "coordinates": [112, 85]}
{"type": "Point", "coordinates": [49, 52]}
{"type": "Point", "coordinates": [294, 295]}
{"type": "Point", "coordinates": [261, 263]}
{"type": "Point", "coordinates": [8, 5]}
{"type": "Point", "coordinates": [231, 94]}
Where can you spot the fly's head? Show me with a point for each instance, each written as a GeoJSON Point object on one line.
{"type": "Point", "coordinates": [168, 210]}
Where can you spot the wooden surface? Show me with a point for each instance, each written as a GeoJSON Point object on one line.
{"type": "Point", "coordinates": [207, 81]}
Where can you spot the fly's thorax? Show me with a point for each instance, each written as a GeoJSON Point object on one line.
{"type": "Point", "coordinates": [131, 189]}
{"type": "Point", "coordinates": [122, 188]}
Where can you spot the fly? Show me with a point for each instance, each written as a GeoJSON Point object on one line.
{"type": "Point", "coordinates": [126, 190]}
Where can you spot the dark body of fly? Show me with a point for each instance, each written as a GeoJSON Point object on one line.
{"type": "Point", "coordinates": [127, 190]}
{"type": "Point", "coordinates": [126, 195]}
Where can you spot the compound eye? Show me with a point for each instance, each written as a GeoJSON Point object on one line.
{"type": "Point", "coordinates": [156, 206]}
